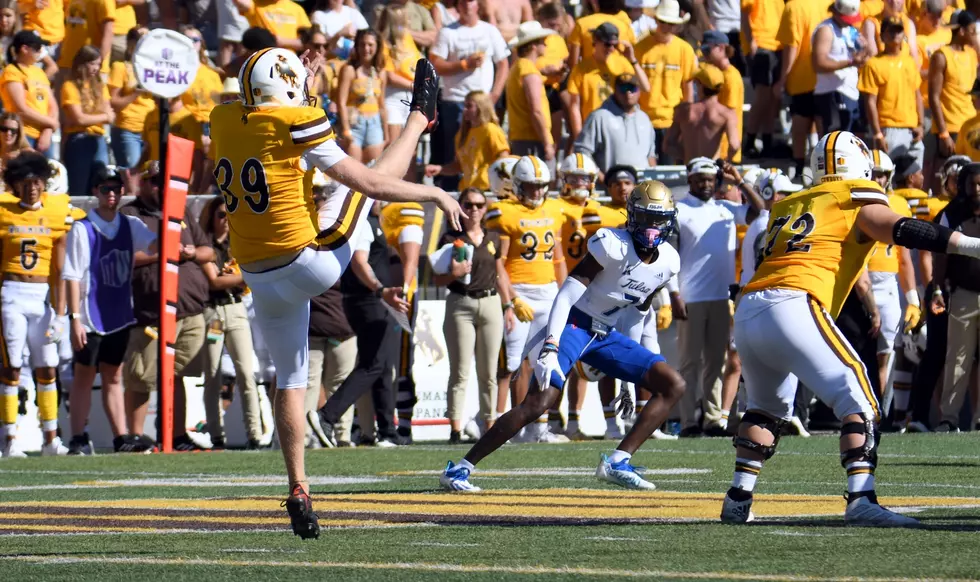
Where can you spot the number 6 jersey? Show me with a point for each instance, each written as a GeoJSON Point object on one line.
{"type": "Point", "coordinates": [813, 245]}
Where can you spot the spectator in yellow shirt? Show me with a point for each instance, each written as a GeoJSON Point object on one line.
{"type": "Point", "coordinates": [47, 19]}
{"type": "Point", "coordinates": [671, 64]}
{"type": "Point", "coordinates": [401, 55]}
{"type": "Point", "coordinates": [361, 113]}
{"type": "Point", "coordinates": [893, 104]}
{"type": "Point", "coordinates": [87, 22]}
{"type": "Point", "coordinates": [25, 90]}
{"type": "Point", "coordinates": [131, 104]}
{"type": "Point", "coordinates": [871, 29]}
{"type": "Point", "coordinates": [591, 82]}
{"type": "Point", "coordinates": [932, 34]}
{"type": "Point", "coordinates": [716, 50]}
{"type": "Point", "coordinates": [968, 139]}
{"type": "Point", "coordinates": [124, 21]}
{"type": "Point", "coordinates": [527, 104]}
{"type": "Point", "coordinates": [283, 18]}
{"type": "Point", "coordinates": [204, 93]}
{"type": "Point", "coordinates": [479, 143]}
{"type": "Point", "coordinates": [554, 63]}
{"type": "Point", "coordinates": [760, 22]}
{"type": "Point", "coordinates": [580, 42]}
{"type": "Point", "coordinates": [86, 103]}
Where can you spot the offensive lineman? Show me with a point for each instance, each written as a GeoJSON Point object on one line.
{"type": "Point", "coordinates": [265, 146]}
{"type": "Point", "coordinates": [622, 271]}
{"type": "Point", "coordinates": [816, 247]}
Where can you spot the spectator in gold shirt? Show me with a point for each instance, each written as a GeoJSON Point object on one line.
{"type": "Point", "coordinates": [283, 18]}
{"type": "Point", "coordinates": [527, 105]}
{"type": "Point", "coordinates": [131, 104]}
{"type": "Point", "coordinates": [25, 90]}
{"type": "Point", "coordinates": [760, 22]}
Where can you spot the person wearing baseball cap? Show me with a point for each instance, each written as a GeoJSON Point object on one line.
{"type": "Point", "coordinates": [952, 69]}
{"type": "Point", "coordinates": [698, 128]}
{"type": "Point", "coordinates": [582, 38]}
{"type": "Point", "coordinates": [716, 50]}
{"type": "Point", "coordinates": [642, 23]}
{"type": "Point", "coordinates": [672, 64]}
{"type": "Point", "coordinates": [838, 51]}
{"type": "Point", "coordinates": [33, 101]}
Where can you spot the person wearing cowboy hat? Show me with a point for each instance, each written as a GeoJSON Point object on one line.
{"type": "Point", "coordinates": [527, 104]}
{"type": "Point", "coordinates": [582, 39]}
{"type": "Point", "coordinates": [672, 63]}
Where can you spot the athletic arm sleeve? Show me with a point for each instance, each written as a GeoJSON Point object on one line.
{"type": "Point", "coordinates": [76, 254]}
{"type": "Point", "coordinates": [571, 291]}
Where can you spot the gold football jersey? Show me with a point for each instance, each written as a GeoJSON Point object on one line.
{"type": "Point", "coordinates": [573, 231]}
{"type": "Point", "coordinates": [533, 234]}
{"type": "Point", "coordinates": [921, 204]}
{"type": "Point", "coordinates": [812, 245]}
{"type": "Point", "coordinates": [884, 259]}
{"type": "Point", "coordinates": [257, 168]}
{"type": "Point", "coordinates": [29, 235]}
{"type": "Point", "coordinates": [396, 216]}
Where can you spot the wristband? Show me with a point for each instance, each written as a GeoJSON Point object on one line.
{"type": "Point", "coordinates": [379, 292]}
{"type": "Point", "coordinates": [944, 135]}
{"type": "Point", "coordinates": [634, 63]}
{"type": "Point", "coordinates": [937, 292]}
{"type": "Point", "coordinates": [74, 316]}
{"type": "Point", "coordinates": [508, 305]}
{"type": "Point", "coordinates": [912, 297]}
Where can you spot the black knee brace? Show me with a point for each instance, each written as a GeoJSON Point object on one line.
{"type": "Point", "coordinates": [869, 450]}
{"type": "Point", "coordinates": [775, 426]}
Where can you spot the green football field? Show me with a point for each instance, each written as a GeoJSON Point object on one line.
{"type": "Point", "coordinates": [216, 516]}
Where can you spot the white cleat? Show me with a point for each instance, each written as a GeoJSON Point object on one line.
{"type": "Point", "coordinates": [578, 436]}
{"type": "Point", "coordinates": [736, 512]}
{"type": "Point", "coordinates": [13, 451]}
{"type": "Point", "coordinates": [456, 478]}
{"type": "Point", "coordinates": [659, 435]}
{"type": "Point", "coordinates": [865, 513]}
{"type": "Point", "coordinates": [54, 449]}
{"type": "Point", "coordinates": [916, 426]}
{"type": "Point", "coordinates": [551, 438]}
{"type": "Point", "coordinates": [614, 434]}
{"type": "Point", "coordinates": [622, 474]}
{"type": "Point", "coordinates": [523, 437]}
{"type": "Point", "coordinates": [797, 425]}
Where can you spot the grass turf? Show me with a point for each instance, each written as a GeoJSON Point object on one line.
{"type": "Point", "coordinates": [588, 534]}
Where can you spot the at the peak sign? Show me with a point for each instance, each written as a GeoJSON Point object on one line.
{"type": "Point", "coordinates": [165, 63]}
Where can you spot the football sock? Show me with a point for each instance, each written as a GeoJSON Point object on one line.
{"type": "Point", "coordinates": [746, 474]}
{"type": "Point", "coordinates": [47, 405]}
{"type": "Point", "coordinates": [10, 405]}
{"type": "Point", "coordinates": [618, 456]}
{"type": "Point", "coordinates": [554, 420]}
{"type": "Point", "coordinates": [466, 465]}
{"type": "Point", "coordinates": [573, 421]}
{"type": "Point", "coordinates": [901, 399]}
{"type": "Point", "coordinates": [540, 425]}
{"type": "Point", "coordinates": [640, 405]}
{"type": "Point", "coordinates": [724, 418]}
{"type": "Point", "coordinates": [610, 413]}
{"type": "Point", "coordinates": [799, 163]}
{"type": "Point", "coordinates": [860, 477]}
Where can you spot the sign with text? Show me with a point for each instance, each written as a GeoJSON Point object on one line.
{"type": "Point", "coordinates": [165, 63]}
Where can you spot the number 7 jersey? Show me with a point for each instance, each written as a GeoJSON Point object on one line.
{"type": "Point", "coordinates": [812, 243]}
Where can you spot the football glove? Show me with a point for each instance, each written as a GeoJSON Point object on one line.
{"type": "Point", "coordinates": [665, 315]}
{"type": "Point", "coordinates": [547, 364]}
{"type": "Point", "coordinates": [56, 329]}
{"type": "Point", "coordinates": [624, 403]}
{"type": "Point", "coordinates": [522, 310]}
{"type": "Point", "coordinates": [913, 315]}
{"type": "Point", "coordinates": [424, 92]}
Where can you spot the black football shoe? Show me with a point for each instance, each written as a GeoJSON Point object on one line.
{"type": "Point", "coordinates": [425, 92]}
{"type": "Point", "coordinates": [300, 509]}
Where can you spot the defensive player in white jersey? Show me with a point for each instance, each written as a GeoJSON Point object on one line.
{"type": "Point", "coordinates": [266, 146]}
{"type": "Point", "coordinates": [622, 271]}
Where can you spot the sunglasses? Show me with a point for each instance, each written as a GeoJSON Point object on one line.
{"type": "Point", "coordinates": [221, 214]}
{"type": "Point", "coordinates": [12, 130]}
{"type": "Point", "coordinates": [107, 188]}
{"type": "Point", "coordinates": [194, 38]}
{"type": "Point", "coordinates": [319, 46]}
{"type": "Point", "coordinates": [628, 88]}
{"type": "Point", "coordinates": [610, 44]}
{"type": "Point", "coordinates": [474, 205]}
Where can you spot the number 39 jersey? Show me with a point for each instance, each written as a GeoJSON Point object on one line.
{"type": "Point", "coordinates": [28, 236]}
{"type": "Point", "coordinates": [533, 234]}
{"type": "Point", "coordinates": [625, 279]}
{"type": "Point", "coordinates": [265, 184]}
{"type": "Point", "coordinates": [812, 244]}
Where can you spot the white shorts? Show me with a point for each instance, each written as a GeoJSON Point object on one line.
{"type": "Point", "coordinates": [783, 334]}
{"type": "Point", "coordinates": [265, 372]}
{"type": "Point", "coordinates": [26, 317]}
{"type": "Point", "coordinates": [650, 339]}
{"type": "Point", "coordinates": [540, 298]}
{"type": "Point", "coordinates": [889, 302]}
{"type": "Point", "coordinates": [395, 108]}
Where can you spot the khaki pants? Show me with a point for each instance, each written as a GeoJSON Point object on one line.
{"type": "Point", "coordinates": [472, 326]}
{"type": "Point", "coordinates": [237, 337]}
{"type": "Point", "coordinates": [330, 363]}
{"type": "Point", "coordinates": [961, 345]}
{"type": "Point", "coordinates": [140, 367]}
{"type": "Point", "coordinates": [703, 343]}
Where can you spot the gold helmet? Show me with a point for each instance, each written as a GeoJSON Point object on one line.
{"type": "Point", "coordinates": [650, 214]}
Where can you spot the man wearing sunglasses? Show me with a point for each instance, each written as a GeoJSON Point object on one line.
{"type": "Point", "coordinates": [619, 132]}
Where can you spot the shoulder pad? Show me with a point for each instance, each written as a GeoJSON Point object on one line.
{"type": "Point", "coordinates": [670, 256]}
{"type": "Point", "coordinates": [608, 246]}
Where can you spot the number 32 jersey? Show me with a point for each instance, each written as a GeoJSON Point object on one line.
{"type": "Point", "coordinates": [625, 280]}
{"type": "Point", "coordinates": [533, 234]}
{"type": "Point", "coordinates": [813, 245]}
{"type": "Point", "coordinates": [265, 183]}
{"type": "Point", "coordinates": [29, 236]}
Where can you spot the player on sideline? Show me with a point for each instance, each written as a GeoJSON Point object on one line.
{"type": "Point", "coordinates": [621, 272]}
{"type": "Point", "coordinates": [816, 247]}
{"type": "Point", "coordinates": [265, 147]}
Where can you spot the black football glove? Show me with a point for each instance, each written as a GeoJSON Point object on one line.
{"type": "Point", "coordinates": [425, 92]}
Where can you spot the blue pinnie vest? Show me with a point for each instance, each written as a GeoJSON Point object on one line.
{"type": "Point", "coordinates": [109, 304]}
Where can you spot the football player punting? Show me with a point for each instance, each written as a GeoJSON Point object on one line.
{"type": "Point", "coordinates": [817, 245]}
{"type": "Point", "coordinates": [265, 146]}
{"type": "Point", "coordinates": [622, 271]}
{"type": "Point", "coordinates": [32, 229]}
{"type": "Point", "coordinates": [530, 241]}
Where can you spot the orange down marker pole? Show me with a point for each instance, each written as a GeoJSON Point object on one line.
{"type": "Point", "coordinates": [177, 173]}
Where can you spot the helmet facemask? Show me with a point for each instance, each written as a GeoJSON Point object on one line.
{"type": "Point", "coordinates": [578, 187]}
{"type": "Point", "coordinates": [532, 194]}
{"type": "Point", "coordinates": [650, 227]}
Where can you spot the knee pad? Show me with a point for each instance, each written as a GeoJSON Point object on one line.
{"type": "Point", "coordinates": [775, 426]}
{"type": "Point", "coordinates": [869, 450]}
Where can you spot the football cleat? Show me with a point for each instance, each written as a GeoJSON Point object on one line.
{"type": "Point", "coordinates": [299, 506]}
{"type": "Point", "coordinates": [322, 430]}
{"type": "Point", "coordinates": [797, 427]}
{"type": "Point", "coordinates": [81, 445]}
{"type": "Point", "coordinates": [916, 426]}
{"type": "Point", "coordinates": [866, 512]}
{"type": "Point", "coordinates": [54, 449]}
{"type": "Point", "coordinates": [660, 435]}
{"type": "Point", "coordinates": [614, 434]}
{"type": "Point", "coordinates": [578, 436]}
{"type": "Point", "coordinates": [736, 511]}
{"type": "Point", "coordinates": [622, 474]}
{"type": "Point", "coordinates": [13, 451]}
{"type": "Point", "coordinates": [456, 478]}
{"type": "Point", "coordinates": [425, 91]}
{"type": "Point", "coordinates": [551, 438]}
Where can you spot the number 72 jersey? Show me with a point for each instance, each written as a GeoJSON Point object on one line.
{"type": "Point", "coordinates": [812, 243]}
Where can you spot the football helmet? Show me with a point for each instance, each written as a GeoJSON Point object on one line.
{"type": "Point", "coordinates": [754, 175]}
{"type": "Point", "coordinates": [58, 182]}
{"type": "Point", "coordinates": [530, 171]}
{"type": "Point", "coordinates": [500, 177]}
{"type": "Point", "coordinates": [882, 164]}
{"type": "Point", "coordinates": [840, 155]}
{"type": "Point", "coordinates": [914, 344]}
{"type": "Point", "coordinates": [590, 373]}
{"type": "Point", "coordinates": [951, 169]}
{"type": "Point", "coordinates": [578, 174]}
{"type": "Point", "coordinates": [273, 76]}
{"type": "Point", "coordinates": [650, 214]}
{"type": "Point", "coordinates": [773, 182]}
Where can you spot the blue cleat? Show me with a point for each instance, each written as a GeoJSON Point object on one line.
{"type": "Point", "coordinates": [622, 474]}
{"type": "Point", "coordinates": [456, 478]}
